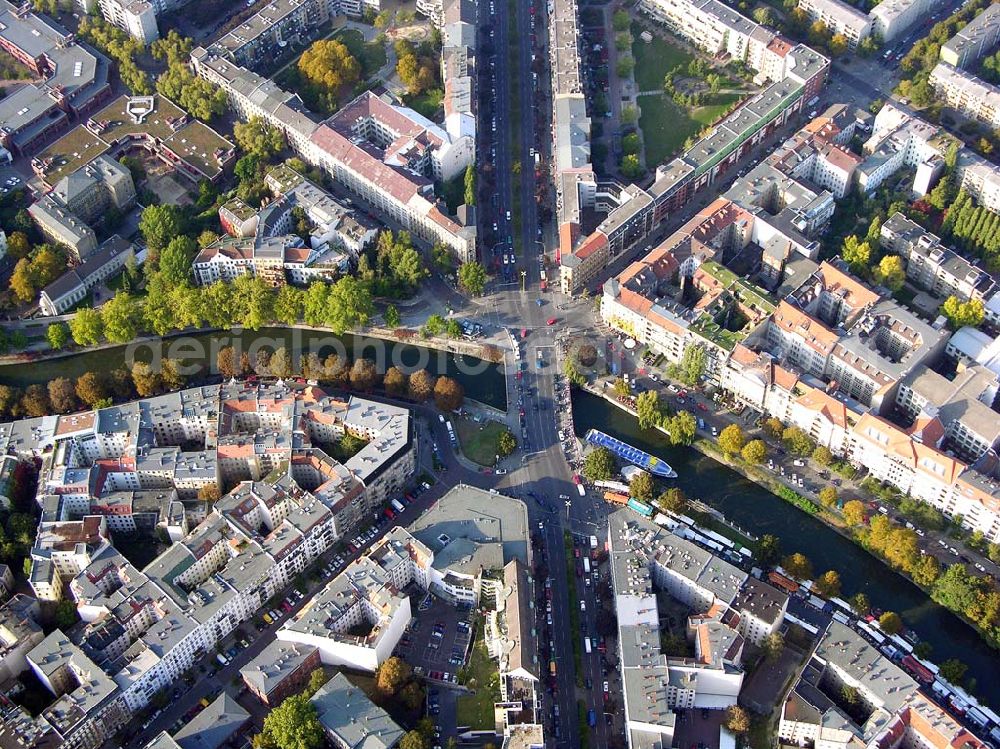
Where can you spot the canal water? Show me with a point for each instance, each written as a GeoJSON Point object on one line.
{"type": "Point", "coordinates": [481, 380]}
{"type": "Point", "coordinates": [759, 511]}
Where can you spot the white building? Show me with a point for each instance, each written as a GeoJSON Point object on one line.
{"type": "Point", "coordinates": [893, 17]}
{"type": "Point", "coordinates": [840, 18]}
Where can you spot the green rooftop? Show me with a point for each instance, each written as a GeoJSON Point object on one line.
{"type": "Point", "coordinates": [71, 152]}
{"type": "Point", "coordinates": [710, 330]}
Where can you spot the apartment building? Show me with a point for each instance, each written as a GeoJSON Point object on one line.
{"type": "Point", "coordinates": [350, 719]}
{"type": "Point", "coordinates": [709, 25]}
{"type": "Point", "coordinates": [276, 24]}
{"type": "Point", "coordinates": [636, 212]}
{"type": "Point", "coordinates": [836, 328]}
{"type": "Point", "coordinates": [74, 285]}
{"type": "Point", "coordinates": [87, 709]}
{"type": "Point", "coordinates": [845, 659]}
{"type": "Point", "coordinates": [512, 641]}
{"type": "Point", "coordinates": [137, 18]}
{"type": "Point", "coordinates": [90, 457]}
{"type": "Point", "coordinates": [892, 18]}
{"type": "Point", "coordinates": [930, 265]}
{"type": "Point", "coordinates": [728, 609]}
{"type": "Point", "coordinates": [962, 405]}
{"type": "Point", "coordinates": [264, 242]}
{"type": "Point", "coordinates": [574, 179]}
{"type": "Point", "coordinates": [20, 632]}
{"type": "Point", "coordinates": [974, 41]}
{"type": "Point", "coordinates": [967, 93]}
{"type": "Point", "coordinates": [61, 226]}
{"type": "Point", "coordinates": [901, 139]}
{"type": "Point", "coordinates": [386, 154]}
{"type": "Point", "coordinates": [840, 18]}
{"type": "Point", "coordinates": [73, 79]}
{"type": "Point", "coordinates": [280, 670]}
{"type": "Point", "coordinates": [82, 198]}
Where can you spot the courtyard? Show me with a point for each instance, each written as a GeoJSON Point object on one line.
{"type": "Point", "coordinates": [665, 124]}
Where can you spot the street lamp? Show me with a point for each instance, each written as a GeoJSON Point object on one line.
{"type": "Point", "coordinates": [568, 505]}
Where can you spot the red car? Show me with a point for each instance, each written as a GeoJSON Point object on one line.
{"type": "Point", "coordinates": [702, 407]}
{"type": "Point", "coordinates": [551, 321]}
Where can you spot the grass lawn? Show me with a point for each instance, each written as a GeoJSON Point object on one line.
{"type": "Point", "coordinates": [428, 103]}
{"type": "Point", "coordinates": [476, 710]}
{"type": "Point", "coordinates": [653, 60]}
{"type": "Point", "coordinates": [479, 441]}
{"type": "Point", "coordinates": [371, 55]}
{"type": "Point", "coordinates": [665, 126]}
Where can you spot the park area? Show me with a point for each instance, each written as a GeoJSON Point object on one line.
{"type": "Point", "coordinates": [370, 56]}
{"type": "Point", "coordinates": [475, 710]}
{"type": "Point", "coordinates": [478, 440]}
{"type": "Point", "coordinates": [665, 124]}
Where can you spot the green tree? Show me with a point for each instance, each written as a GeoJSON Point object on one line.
{"type": "Point", "coordinates": [773, 646]}
{"type": "Point", "coordinates": [953, 671]}
{"type": "Point", "coordinates": [960, 314]}
{"type": "Point", "coordinates": [630, 166]}
{"type": "Point", "coordinates": [860, 603]}
{"type": "Point", "coordinates": [348, 306]}
{"type": "Point", "coordinates": [647, 405]}
{"type": "Point", "coordinates": [691, 367]}
{"type": "Point", "coordinates": [448, 394]}
{"type": "Point", "coordinates": [470, 184]}
{"type": "Point", "coordinates": [120, 318]}
{"type": "Point", "coordinates": [413, 740]}
{"type": "Point", "coordinates": [629, 115]}
{"type": "Point", "coordinates": [890, 623]}
{"type": "Point", "coordinates": [258, 137]}
{"type": "Point", "coordinates": [754, 452]}
{"type": "Point", "coordinates": [828, 496]}
{"type": "Point", "coordinates": [599, 465]}
{"type": "Point", "coordinates": [288, 304]}
{"type": "Point", "coordinates": [828, 584]}
{"type": "Point", "coordinates": [631, 144]}
{"type": "Point", "coordinates": [329, 65]}
{"type": "Point", "coordinates": [768, 549]}
{"type": "Point", "coordinates": [392, 318]}
{"type": "Point", "coordinates": [91, 389]}
{"type": "Point", "coordinates": [798, 566]}
{"type": "Point", "coordinates": [798, 441]}
{"type": "Point", "coordinates": [854, 512]}
{"type": "Point", "coordinates": [472, 277]}
{"type": "Point", "coordinates": [158, 224]}
{"type": "Point", "coordinates": [672, 500]}
{"type": "Point", "coordinates": [890, 272]}
{"type": "Point", "coordinates": [57, 334]}
{"type": "Point", "coordinates": [392, 675]}
{"type": "Point", "coordinates": [822, 455]}
{"type": "Point", "coordinates": [251, 302]}
{"type": "Point", "coordinates": [856, 254]}
{"type": "Point", "coordinates": [66, 616]}
{"type": "Point", "coordinates": [682, 428]}
{"type": "Point", "coordinates": [764, 16]}
{"type": "Point", "coordinates": [506, 443]}
{"type": "Point", "coordinates": [86, 327]}
{"type": "Point", "coordinates": [295, 725]}
{"type": "Point", "coordinates": [620, 20]}
{"type": "Point", "coordinates": [773, 428]}
{"type": "Point", "coordinates": [642, 486]}
{"type": "Point", "coordinates": [316, 680]}
{"type": "Point", "coordinates": [172, 48]}
{"type": "Point", "coordinates": [731, 439]}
